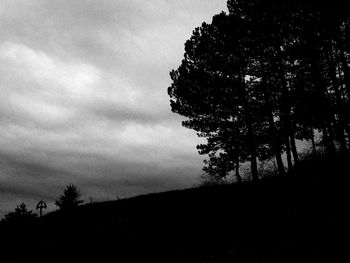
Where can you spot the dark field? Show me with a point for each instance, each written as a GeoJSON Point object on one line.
{"type": "Point", "coordinates": [301, 217]}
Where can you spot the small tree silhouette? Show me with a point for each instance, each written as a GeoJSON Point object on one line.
{"type": "Point", "coordinates": [70, 198]}
{"type": "Point", "coordinates": [21, 214]}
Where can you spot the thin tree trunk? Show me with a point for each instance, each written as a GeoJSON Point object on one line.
{"type": "Point", "coordinates": [238, 176]}
{"type": "Point", "coordinates": [250, 133]}
{"type": "Point", "coordinates": [341, 138]}
{"type": "Point", "coordinates": [276, 145]}
{"type": "Point", "coordinates": [254, 165]}
{"type": "Point", "coordinates": [272, 128]}
{"type": "Point", "coordinates": [289, 155]}
{"type": "Point", "coordinates": [328, 140]}
{"type": "Point", "coordinates": [331, 138]}
{"type": "Point", "coordinates": [279, 161]}
{"type": "Point", "coordinates": [286, 119]}
{"type": "Point", "coordinates": [280, 164]}
{"type": "Point", "coordinates": [293, 143]}
{"type": "Point", "coordinates": [294, 149]}
{"type": "Point", "coordinates": [252, 149]}
{"type": "Point", "coordinates": [325, 138]}
{"type": "Point", "coordinates": [314, 151]}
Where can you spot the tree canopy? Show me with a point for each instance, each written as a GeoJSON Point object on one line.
{"type": "Point", "coordinates": [264, 74]}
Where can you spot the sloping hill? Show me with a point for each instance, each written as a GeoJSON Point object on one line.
{"type": "Point", "coordinates": [299, 218]}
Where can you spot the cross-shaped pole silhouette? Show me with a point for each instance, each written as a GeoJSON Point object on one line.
{"type": "Point", "coordinates": [40, 206]}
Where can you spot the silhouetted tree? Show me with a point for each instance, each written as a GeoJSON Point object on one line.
{"type": "Point", "coordinates": [21, 214]}
{"type": "Point", "coordinates": [70, 198]}
{"type": "Point", "coordinates": [211, 88]}
{"type": "Point", "coordinates": [264, 74]}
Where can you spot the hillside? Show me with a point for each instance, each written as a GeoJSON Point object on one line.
{"type": "Point", "coordinates": [301, 217]}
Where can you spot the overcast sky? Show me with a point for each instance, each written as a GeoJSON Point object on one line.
{"type": "Point", "coordinates": [84, 97]}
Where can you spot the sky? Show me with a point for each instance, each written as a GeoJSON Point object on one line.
{"type": "Point", "coordinates": [84, 98]}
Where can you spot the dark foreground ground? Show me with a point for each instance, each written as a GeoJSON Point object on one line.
{"type": "Point", "coordinates": [302, 217]}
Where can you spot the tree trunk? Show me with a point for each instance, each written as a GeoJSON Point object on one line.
{"type": "Point", "coordinates": [314, 151]}
{"type": "Point", "coordinates": [254, 165]}
{"type": "Point", "coordinates": [279, 161]}
{"type": "Point", "coordinates": [340, 126]}
{"type": "Point", "coordinates": [294, 149]}
{"type": "Point", "coordinates": [238, 176]}
{"type": "Point", "coordinates": [252, 149]}
{"type": "Point", "coordinates": [275, 141]}
{"type": "Point", "coordinates": [276, 145]}
{"type": "Point", "coordinates": [328, 141]}
{"type": "Point", "coordinates": [322, 88]}
{"type": "Point", "coordinates": [285, 108]}
{"type": "Point", "coordinates": [250, 133]}
{"type": "Point", "coordinates": [289, 155]}
{"type": "Point", "coordinates": [331, 138]}
{"type": "Point", "coordinates": [293, 143]}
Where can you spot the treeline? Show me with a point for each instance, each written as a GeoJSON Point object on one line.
{"type": "Point", "coordinates": [69, 200]}
{"type": "Point", "coordinates": [264, 75]}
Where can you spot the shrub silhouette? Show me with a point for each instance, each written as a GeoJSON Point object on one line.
{"type": "Point", "coordinates": [21, 214]}
{"type": "Point", "coordinates": [70, 198]}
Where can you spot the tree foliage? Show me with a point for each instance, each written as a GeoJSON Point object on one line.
{"type": "Point", "coordinates": [70, 198]}
{"type": "Point", "coordinates": [21, 214]}
{"type": "Point", "coordinates": [265, 74]}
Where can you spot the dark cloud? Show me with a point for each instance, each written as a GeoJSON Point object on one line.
{"type": "Point", "coordinates": [43, 178]}
{"type": "Point", "coordinates": [84, 97]}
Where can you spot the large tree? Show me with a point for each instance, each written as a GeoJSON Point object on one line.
{"type": "Point", "coordinates": [264, 74]}
{"type": "Point", "coordinates": [213, 89]}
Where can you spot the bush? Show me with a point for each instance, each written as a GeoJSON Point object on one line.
{"type": "Point", "coordinates": [20, 215]}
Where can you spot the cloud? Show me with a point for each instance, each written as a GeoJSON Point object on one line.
{"type": "Point", "coordinates": [84, 97]}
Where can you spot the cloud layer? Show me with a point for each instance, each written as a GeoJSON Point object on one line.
{"type": "Point", "coordinates": [84, 100]}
